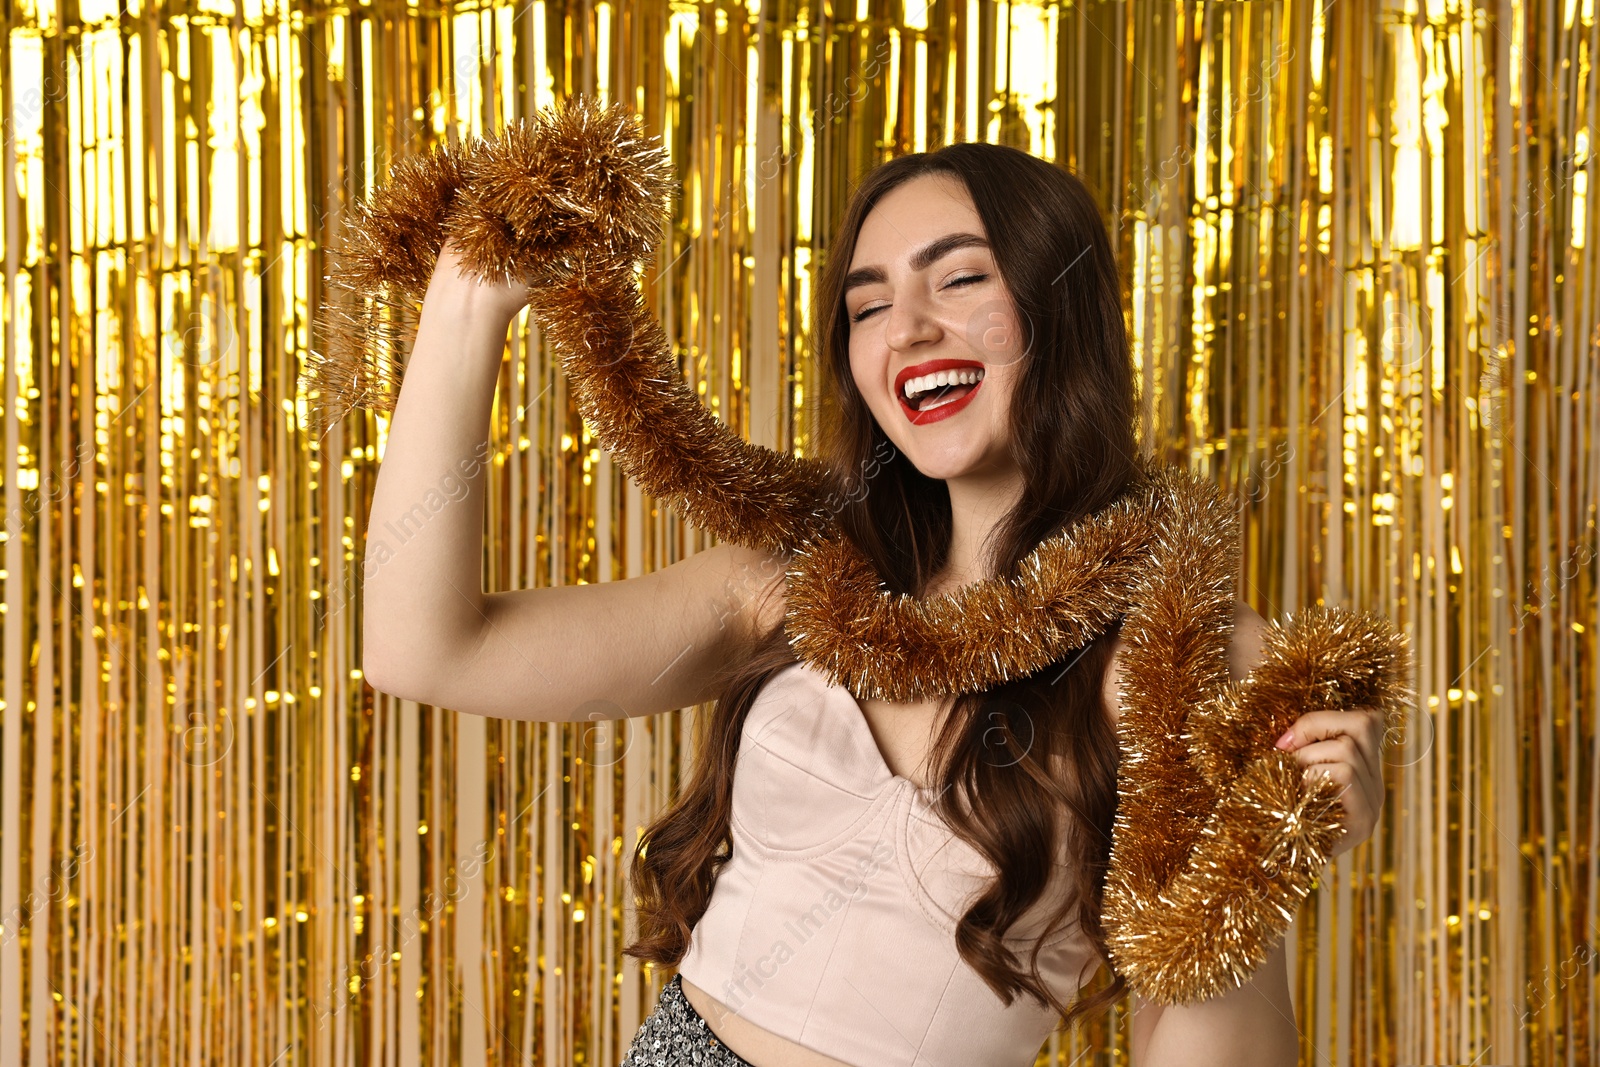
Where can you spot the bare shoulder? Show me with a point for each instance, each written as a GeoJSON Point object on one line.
{"type": "Point", "coordinates": [754, 581]}
{"type": "Point", "coordinates": [1249, 640]}
{"type": "Point", "coordinates": [1245, 650]}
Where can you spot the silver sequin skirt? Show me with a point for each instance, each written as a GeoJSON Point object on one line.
{"type": "Point", "coordinates": [676, 1036]}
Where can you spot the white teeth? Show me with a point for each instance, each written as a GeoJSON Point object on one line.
{"type": "Point", "coordinates": [914, 387]}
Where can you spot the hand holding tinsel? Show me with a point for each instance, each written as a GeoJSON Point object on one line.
{"type": "Point", "coordinates": [567, 203]}
{"type": "Point", "coordinates": [1219, 835]}
{"type": "Point", "coordinates": [1345, 746]}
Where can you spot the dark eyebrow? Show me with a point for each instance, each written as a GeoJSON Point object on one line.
{"type": "Point", "coordinates": [921, 259]}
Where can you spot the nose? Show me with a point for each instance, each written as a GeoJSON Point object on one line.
{"type": "Point", "coordinates": [911, 322]}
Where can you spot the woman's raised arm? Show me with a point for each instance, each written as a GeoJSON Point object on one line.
{"type": "Point", "coordinates": [432, 634]}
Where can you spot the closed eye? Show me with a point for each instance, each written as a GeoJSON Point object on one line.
{"type": "Point", "coordinates": [963, 280]}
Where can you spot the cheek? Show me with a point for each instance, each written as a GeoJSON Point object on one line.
{"type": "Point", "coordinates": [867, 371]}
{"type": "Point", "coordinates": [1009, 343]}
{"type": "Point", "coordinates": [1007, 380]}
{"type": "Point", "coordinates": [858, 375]}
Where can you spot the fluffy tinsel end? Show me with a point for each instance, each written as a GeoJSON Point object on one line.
{"type": "Point", "coordinates": [392, 241]}
{"type": "Point", "coordinates": [360, 341]}
{"type": "Point", "coordinates": [577, 187]}
{"type": "Point", "coordinates": [382, 264]}
{"type": "Point", "coordinates": [567, 203]}
{"type": "Point", "coordinates": [1217, 836]}
{"type": "Point", "coordinates": [843, 621]}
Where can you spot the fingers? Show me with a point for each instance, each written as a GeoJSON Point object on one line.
{"type": "Point", "coordinates": [1354, 795]}
{"type": "Point", "coordinates": [1364, 726]}
{"type": "Point", "coordinates": [1339, 749]}
{"type": "Point", "coordinates": [1334, 760]}
{"type": "Point", "coordinates": [1345, 747]}
{"type": "Point", "coordinates": [1340, 774]}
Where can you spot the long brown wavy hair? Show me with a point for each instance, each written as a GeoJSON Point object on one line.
{"type": "Point", "coordinates": [1027, 771]}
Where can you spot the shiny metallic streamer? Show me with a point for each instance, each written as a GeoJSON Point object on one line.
{"type": "Point", "coordinates": [1218, 837]}
{"type": "Point", "coordinates": [889, 646]}
{"type": "Point", "coordinates": [1362, 293]}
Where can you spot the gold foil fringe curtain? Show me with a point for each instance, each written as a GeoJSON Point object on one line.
{"type": "Point", "coordinates": [1362, 290]}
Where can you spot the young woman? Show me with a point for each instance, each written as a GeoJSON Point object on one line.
{"type": "Point", "coordinates": [846, 880]}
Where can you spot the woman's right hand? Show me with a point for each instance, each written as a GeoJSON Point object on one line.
{"type": "Point", "coordinates": [450, 273]}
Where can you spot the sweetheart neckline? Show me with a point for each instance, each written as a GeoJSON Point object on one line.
{"type": "Point", "coordinates": [860, 723]}
{"type": "Point", "coordinates": [919, 797]}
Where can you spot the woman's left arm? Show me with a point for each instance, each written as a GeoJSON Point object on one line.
{"type": "Point", "coordinates": [1252, 1026]}
{"type": "Point", "coordinates": [1255, 1024]}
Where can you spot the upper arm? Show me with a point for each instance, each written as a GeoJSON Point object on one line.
{"type": "Point", "coordinates": [611, 649]}
{"type": "Point", "coordinates": [1244, 652]}
{"type": "Point", "coordinates": [1141, 1024]}
{"type": "Point", "coordinates": [1249, 1026]}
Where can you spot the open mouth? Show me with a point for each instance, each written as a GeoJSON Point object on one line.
{"type": "Point", "coordinates": [939, 393]}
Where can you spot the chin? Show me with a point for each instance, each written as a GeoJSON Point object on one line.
{"type": "Point", "coordinates": [946, 450]}
{"type": "Point", "coordinates": [955, 471]}
{"type": "Point", "coordinates": [948, 463]}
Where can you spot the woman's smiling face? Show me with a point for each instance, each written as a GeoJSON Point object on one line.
{"type": "Point", "coordinates": [935, 347]}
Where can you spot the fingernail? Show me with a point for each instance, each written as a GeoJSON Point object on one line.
{"type": "Point", "coordinates": [1283, 742]}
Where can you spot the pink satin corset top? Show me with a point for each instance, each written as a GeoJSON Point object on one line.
{"type": "Point", "coordinates": [833, 922]}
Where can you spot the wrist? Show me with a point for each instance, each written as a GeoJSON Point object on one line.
{"type": "Point", "coordinates": [454, 318]}
{"type": "Point", "coordinates": [467, 297]}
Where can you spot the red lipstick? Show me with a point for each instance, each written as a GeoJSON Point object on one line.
{"type": "Point", "coordinates": [933, 366]}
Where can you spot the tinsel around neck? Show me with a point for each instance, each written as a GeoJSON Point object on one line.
{"type": "Point", "coordinates": [844, 621]}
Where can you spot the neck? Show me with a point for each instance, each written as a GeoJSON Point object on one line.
{"type": "Point", "coordinates": [977, 505]}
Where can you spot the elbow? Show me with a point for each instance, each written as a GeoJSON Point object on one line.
{"type": "Point", "coordinates": [375, 676]}
{"type": "Point", "coordinates": [378, 674]}
{"type": "Point", "coordinates": [407, 653]}
{"type": "Point", "coordinates": [392, 659]}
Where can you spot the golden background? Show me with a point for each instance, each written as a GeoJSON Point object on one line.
{"type": "Point", "coordinates": [1362, 288]}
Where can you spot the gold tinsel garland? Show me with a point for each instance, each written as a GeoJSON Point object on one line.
{"type": "Point", "coordinates": [566, 202]}
{"type": "Point", "coordinates": [884, 646]}
{"type": "Point", "coordinates": [1218, 837]}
